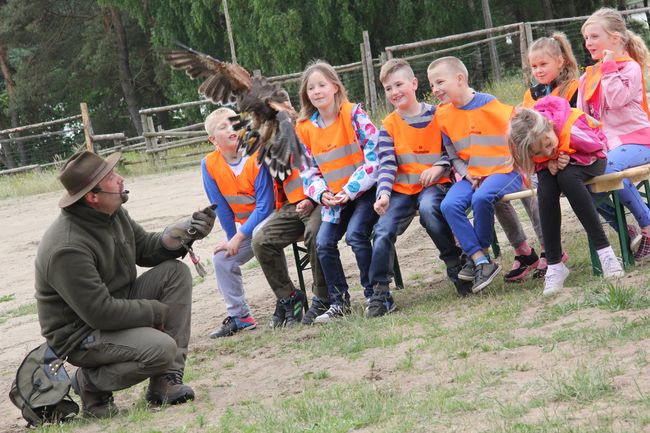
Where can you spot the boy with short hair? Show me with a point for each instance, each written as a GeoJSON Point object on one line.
{"type": "Point", "coordinates": [474, 127]}
{"type": "Point", "coordinates": [243, 191]}
{"type": "Point", "coordinates": [413, 174]}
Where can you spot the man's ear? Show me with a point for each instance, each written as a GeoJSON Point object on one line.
{"type": "Point", "coordinates": [91, 197]}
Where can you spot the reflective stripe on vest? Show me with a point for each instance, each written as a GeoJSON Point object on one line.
{"type": "Point", "coordinates": [334, 147]}
{"type": "Point", "coordinates": [293, 187]}
{"type": "Point", "coordinates": [479, 136]}
{"type": "Point", "coordinates": [416, 149]}
{"type": "Point", "coordinates": [572, 88]}
{"type": "Point", "coordinates": [564, 139]}
{"type": "Point", "coordinates": [238, 191]}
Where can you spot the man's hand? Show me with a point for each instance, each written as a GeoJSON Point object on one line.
{"type": "Point", "coordinates": [305, 207]}
{"type": "Point", "coordinates": [194, 228]}
{"type": "Point", "coordinates": [562, 161]}
{"type": "Point", "coordinates": [552, 166]}
{"type": "Point", "coordinates": [381, 205]}
{"type": "Point", "coordinates": [431, 174]}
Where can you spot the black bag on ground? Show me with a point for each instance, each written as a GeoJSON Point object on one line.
{"type": "Point", "coordinates": [41, 389]}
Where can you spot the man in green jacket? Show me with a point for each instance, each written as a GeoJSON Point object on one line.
{"type": "Point", "coordinates": [119, 329]}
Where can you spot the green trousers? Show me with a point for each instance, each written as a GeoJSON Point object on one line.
{"type": "Point", "coordinates": [283, 228]}
{"type": "Point", "coordinates": [114, 360]}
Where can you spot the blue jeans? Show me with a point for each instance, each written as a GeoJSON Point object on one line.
{"type": "Point", "coordinates": [399, 215]}
{"type": "Point", "coordinates": [357, 221]}
{"type": "Point", "coordinates": [618, 159]}
{"type": "Point", "coordinates": [461, 196]}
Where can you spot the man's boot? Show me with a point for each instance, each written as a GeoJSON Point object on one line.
{"type": "Point", "coordinates": [95, 404]}
{"type": "Point", "coordinates": [169, 389]}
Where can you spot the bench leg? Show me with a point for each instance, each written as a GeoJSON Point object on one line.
{"type": "Point", "coordinates": [623, 237]}
{"type": "Point", "coordinates": [399, 282]}
{"type": "Point", "coordinates": [302, 262]}
{"type": "Point", "coordinates": [596, 268]}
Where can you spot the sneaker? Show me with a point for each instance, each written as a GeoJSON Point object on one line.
{"type": "Point", "coordinates": [643, 249]}
{"type": "Point", "coordinates": [485, 273]}
{"type": "Point", "coordinates": [522, 266]}
{"type": "Point", "coordinates": [636, 236]}
{"type": "Point", "coordinates": [316, 308]}
{"type": "Point", "coordinates": [463, 288]}
{"type": "Point", "coordinates": [542, 265]}
{"type": "Point", "coordinates": [234, 324]}
{"type": "Point", "coordinates": [334, 312]}
{"type": "Point", "coordinates": [554, 281]}
{"type": "Point", "coordinates": [380, 304]}
{"type": "Point", "coordinates": [95, 404]}
{"type": "Point", "coordinates": [293, 308]}
{"type": "Point", "coordinates": [468, 271]}
{"type": "Point", "coordinates": [277, 319]}
{"type": "Point", "coordinates": [168, 389]}
{"type": "Point", "coordinates": [610, 264]}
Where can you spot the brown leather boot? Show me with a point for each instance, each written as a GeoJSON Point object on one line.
{"type": "Point", "coordinates": [95, 404]}
{"type": "Point", "coordinates": [168, 389]}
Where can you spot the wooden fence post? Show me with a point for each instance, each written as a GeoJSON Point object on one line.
{"type": "Point", "coordinates": [371, 72]}
{"type": "Point", "coordinates": [383, 58]}
{"type": "Point", "coordinates": [149, 141]}
{"type": "Point", "coordinates": [523, 51]}
{"type": "Point", "coordinates": [494, 58]}
{"type": "Point", "coordinates": [364, 72]}
{"type": "Point", "coordinates": [88, 128]}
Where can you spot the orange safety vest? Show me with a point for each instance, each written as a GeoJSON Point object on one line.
{"type": "Point", "coordinates": [239, 191]}
{"type": "Point", "coordinates": [571, 90]}
{"type": "Point", "coordinates": [292, 187]}
{"type": "Point", "coordinates": [335, 147]}
{"type": "Point", "coordinates": [564, 139]}
{"type": "Point", "coordinates": [479, 136]}
{"type": "Point", "coordinates": [593, 76]}
{"type": "Point", "coordinates": [416, 149]}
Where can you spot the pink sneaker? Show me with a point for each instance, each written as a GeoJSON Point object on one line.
{"type": "Point", "coordinates": [636, 235]}
{"type": "Point", "coordinates": [642, 253]}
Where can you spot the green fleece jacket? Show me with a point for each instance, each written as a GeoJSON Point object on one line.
{"type": "Point", "coordinates": [85, 268]}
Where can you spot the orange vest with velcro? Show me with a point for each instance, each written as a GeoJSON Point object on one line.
{"type": "Point", "coordinates": [239, 191]}
{"type": "Point", "coordinates": [292, 187]}
{"type": "Point", "coordinates": [335, 147]}
{"type": "Point", "coordinates": [479, 136]}
{"type": "Point", "coordinates": [416, 149]}
{"type": "Point", "coordinates": [572, 88]}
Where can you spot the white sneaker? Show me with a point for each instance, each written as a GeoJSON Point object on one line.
{"type": "Point", "coordinates": [611, 265]}
{"type": "Point", "coordinates": [555, 276]}
{"type": "Point", "coordinates": [333, 313]}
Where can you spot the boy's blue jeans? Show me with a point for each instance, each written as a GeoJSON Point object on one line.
{"type": "Point", "coordinates": [461, 196]}
{"type": "Point", "coordinates": [400, 213]}
{"type": "Point", "coordinates": [618, 159]}
{"type": "Point", "coordinates": [357, 221]}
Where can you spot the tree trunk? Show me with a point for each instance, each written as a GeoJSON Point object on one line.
{"type": "Point", "coordinates": [548, 9]}
{"type": "Point", "coordinates": [11, 93]}
{"type": "Point", "coordinates": [124, 69]}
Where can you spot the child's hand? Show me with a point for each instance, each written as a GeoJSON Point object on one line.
{"type": "Point", "coordinates": [608, 55]}
{"type": "Point", "coordinates": [328, 199]}
{"type": "Point", "coordinates": [221, 246]}
{"type": "Point", "coordinates": [305, 207]}
{"type": "Point", "coordinates": [233, 244]}
{"type": "Point", "coordinates": [552, 166]}
{"type": "Point", "coordinates": [342, 197]}
{"type": "Point", "coordinates": [474, 180]}
{"type": "Point", "coordinates": [381, 205]}
{"type": "Point", "coordinates": [431, 174]}
{"type": "Point", "coordinates": [562, 161]}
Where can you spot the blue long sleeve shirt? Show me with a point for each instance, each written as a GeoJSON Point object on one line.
{"type": "Point", "coordinates": [264, 202]}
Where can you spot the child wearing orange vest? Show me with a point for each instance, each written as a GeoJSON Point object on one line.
{"type": "Point", "coordinates": [297, 216]}
{"type": "Point", "coordinates": [474, 127]}
{"type": "Point", "coordinates": [243, 193]}
{"type": "Point", "coordinates": [565, 148]}
{"type": "Point", "coordinates": [340, 139]}
{"type": "Point", "coordinates": [613, 92]}
{"type": "Point", "coordinates": [413, 175]}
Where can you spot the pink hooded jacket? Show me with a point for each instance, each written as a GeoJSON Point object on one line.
{"type": "Point", "coordinates": [589, 143]}
{"type": "Point", "coordinates": [618, 104]}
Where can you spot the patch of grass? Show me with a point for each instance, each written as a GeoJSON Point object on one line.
{"type": "Point", "coordinates": [29, 183]}
{"type": "Point", "coordinates": [407, 363]}
{"type": "Point", "coordinates": [584, 385]}
{"type": "Point", "coordinates": [20, 311]}
{"type": "Point", "coordinates": [318, 375]}
{"type": "Point", "coordinates": [251, 264]}
{"type": "Point", "coordinates": [7, 298]}
{"type": "Point", "coordinates": [510, 89]}
{"type": "Point", "coordinates": [616, 298]}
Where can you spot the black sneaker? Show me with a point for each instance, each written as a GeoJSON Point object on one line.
{"type": "Point", "coordinates": [468, 271]}
{"type": "Point", "coordinates": [463, 288]}
{"type": "Point", "coordinates": [334, 312]}
{"type": "Point", "coordinates": [277, 320]}
{"type": "Point", "coordinates": [234, 324]}
{"type": "Point", "coordinates": [380, 304]}
{"type": "Point", "coordinates": [485, 273]}
{"type": "Point", "coordinates": [317, 308]}
{"type": "Point", "coordinates": [522, 266]}
{"type": "Point", "coordinates": [293, 308]}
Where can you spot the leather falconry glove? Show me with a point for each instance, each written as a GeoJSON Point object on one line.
{"type": "Point", "coordinates": [196, 227]}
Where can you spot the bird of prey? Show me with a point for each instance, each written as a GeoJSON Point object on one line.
{"type": "Point", "coordinates": [266, 117]}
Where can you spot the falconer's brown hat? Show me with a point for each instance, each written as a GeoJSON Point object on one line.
{"type": "Point", "coordinates": [82, 172]}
